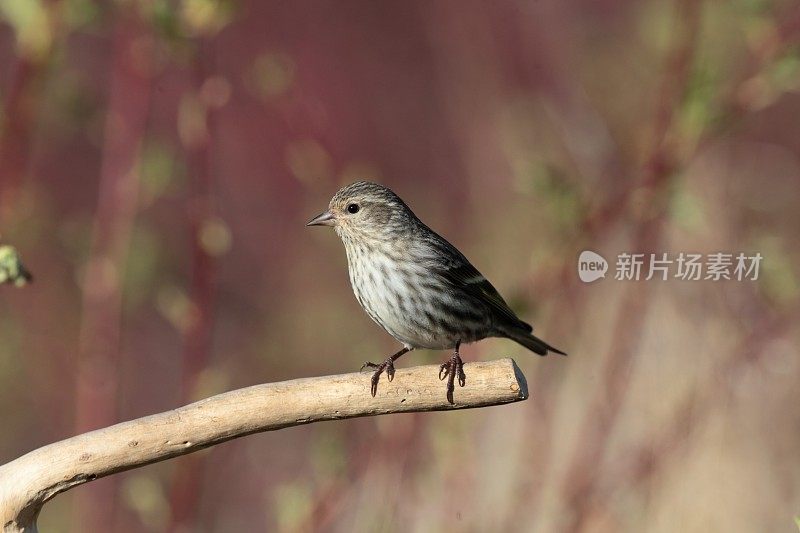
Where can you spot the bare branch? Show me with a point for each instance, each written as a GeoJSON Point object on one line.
{"type": "Point", "coordinates": [33, 479]}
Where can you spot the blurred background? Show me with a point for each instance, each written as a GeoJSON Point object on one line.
{"type": "Point", "coordinates": [158, 162]}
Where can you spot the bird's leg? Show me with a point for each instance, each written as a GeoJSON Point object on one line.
{"type": "Point", "coordinates": [452, 369]}
{"type": "Point", "coordinates": [387, 365]}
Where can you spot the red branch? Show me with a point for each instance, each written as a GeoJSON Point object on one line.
{"type": "Point", "coordinates": [604, 409]}
{"type": "Point", "coordinates": [15, 132]}
{"type": "Point", "coordinates": [99, 354]}
{"type": "Point", "coordinates": [188, 477]}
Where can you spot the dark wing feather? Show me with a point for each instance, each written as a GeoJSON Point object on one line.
{"type": "Point", "coordinates": [457, 270]}
{"type": "Point", "coordinates": [467, 278]}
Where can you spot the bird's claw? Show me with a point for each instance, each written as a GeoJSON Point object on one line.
{"type": "Point", "coordinates": [387, 366]}
{"type": "Point", "coordinates": [368, 364]}
{"type": "Point", "coordinates": [452, 369]}
{"type": "Point", "coordinates": [374, 386]}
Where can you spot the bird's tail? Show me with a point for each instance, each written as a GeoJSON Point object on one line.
{"type": "Point", "coordinates": [531, 342]}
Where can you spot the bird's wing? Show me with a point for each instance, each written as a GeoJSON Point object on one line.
{"type": "Point", "coordinates": [458, 271]}
{"type": "Point", "coordinates": [467, 278]}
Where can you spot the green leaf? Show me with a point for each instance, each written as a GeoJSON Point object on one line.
{"type": "Point", "coordinates": [11, 267]}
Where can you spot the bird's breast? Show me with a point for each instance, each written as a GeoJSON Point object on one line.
{"type": "Point", "coordinates": [409, 302]}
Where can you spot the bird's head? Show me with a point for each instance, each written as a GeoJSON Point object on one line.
{"type": "Point", "coordinates": [366, 211]}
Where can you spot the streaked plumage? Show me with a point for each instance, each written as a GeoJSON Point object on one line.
{"type": "Point", "coordinates": [414, 283]}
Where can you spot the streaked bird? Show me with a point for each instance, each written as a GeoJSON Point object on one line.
{"type": "Point", "coordinates": [415, 284]}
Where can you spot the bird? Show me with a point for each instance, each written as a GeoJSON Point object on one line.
{"type": "Point", "coordinates": [415, 284]}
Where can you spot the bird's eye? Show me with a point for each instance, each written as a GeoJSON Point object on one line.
{"type": "Point", "coordinates": [352, 208]}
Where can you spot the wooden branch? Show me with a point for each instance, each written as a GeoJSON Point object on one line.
{"type": "Point", "coordinates": [29, 482]}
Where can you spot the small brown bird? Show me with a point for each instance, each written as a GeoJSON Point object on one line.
{"type": "Point", "coordinates": [415, 284]}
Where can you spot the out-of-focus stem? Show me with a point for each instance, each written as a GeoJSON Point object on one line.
{"type": "Point", "coordinates": [98, 359]}
{"type": "Point", "coordinates": [187, 479]}
{"type": "Point", "coordinates": [604, 408]}
{"type": "Point", "coordinates": [18, 115]}
{"type": "Point", "coordinates": [15, 132]}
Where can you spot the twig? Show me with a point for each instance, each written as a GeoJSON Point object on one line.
{"type": "Point", "coordinates": [27, 483]}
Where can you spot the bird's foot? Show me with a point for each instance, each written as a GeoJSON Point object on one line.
{"type": "Point", "coordinates": [450, 370]}
{"type": "Point", "coordinates": [387, 366]}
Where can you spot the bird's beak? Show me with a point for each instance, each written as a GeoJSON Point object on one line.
{"type": "Point", "coordinates": [323, 219]}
